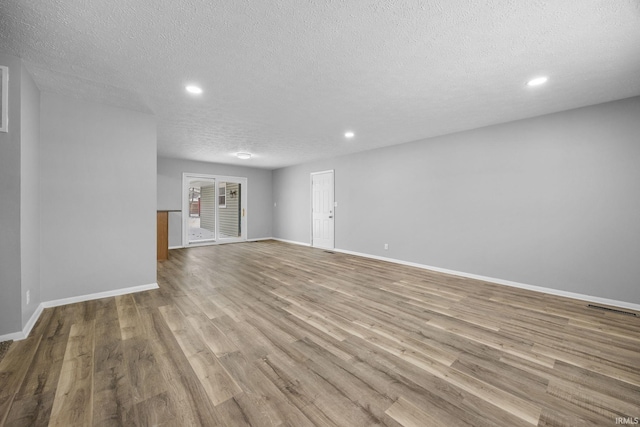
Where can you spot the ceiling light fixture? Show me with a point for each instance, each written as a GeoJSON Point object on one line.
{"type": "Point", "coordinates": [537, 81]}
{"type": "Point", "coordinates": [243, 156]}
{"type": "Point", "coordinates": [349, 134]}
{"type": "Point", "coordinates": [193, 89]}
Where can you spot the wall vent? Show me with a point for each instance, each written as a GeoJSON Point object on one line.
{"type": "Point", "coordinates": [612, 310]}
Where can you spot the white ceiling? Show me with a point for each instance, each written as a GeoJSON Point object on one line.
{"type": "Point", "coordinates": [284, 79]}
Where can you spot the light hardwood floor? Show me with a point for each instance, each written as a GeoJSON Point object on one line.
{"type": "Point", "coordinates": [271, 334]}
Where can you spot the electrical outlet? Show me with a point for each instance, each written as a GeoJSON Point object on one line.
{"type": "Point", "coordinates": [28, 296]}
{"type": "Point", "coordinates": [386, 246]}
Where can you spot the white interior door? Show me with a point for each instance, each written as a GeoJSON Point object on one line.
{"type": "Point", "coordinates": [322, 217]}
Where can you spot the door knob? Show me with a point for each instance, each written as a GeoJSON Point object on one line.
{"type": "Point", "coordinates": [330, 216]}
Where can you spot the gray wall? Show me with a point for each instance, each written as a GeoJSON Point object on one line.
{"type": "Point", "coordinates": [10, 272]}
{"type": "Point", "coordinates": [30, 194]}
{"type": "Point", "coordinates": [98, 182]}
{"type": "Point", "coordinates": [551, 201]}
{"type": "Point", "coordinates": [19, 201]}
{"type": "Point", "coordinates": [259, 200]}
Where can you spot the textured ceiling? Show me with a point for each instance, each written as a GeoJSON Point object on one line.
{"type": "Point", "coordinates": [284, 79]}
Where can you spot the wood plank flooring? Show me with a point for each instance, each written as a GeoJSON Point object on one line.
{"type": "Point", "coordinates": [271, 334]}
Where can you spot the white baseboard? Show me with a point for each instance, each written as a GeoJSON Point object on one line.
{"type": "Point", "coordinates": [98, 295]}
{"type": "Point", "coordinates": [218, 243]}
{"type": "Point", "coordinates": [614, 303]}
{"type": "Point", "coordinates": [550, 291]}
{"type": "Point", "coordinates": [17, 336]}
{"type": "Point", "coordinates": [293, 242]}
{"type": "Point", "coordinates": [32, 320]}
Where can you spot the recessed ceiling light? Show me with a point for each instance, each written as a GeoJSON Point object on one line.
{"type": "Point", "coordinates": [193, 89]}
{"type": "Point", "coordinates": [537, 81]}
{"type": "Point", "coordinates": [349, 134]}
{"type": "Point", "coordinates": [243, 156]}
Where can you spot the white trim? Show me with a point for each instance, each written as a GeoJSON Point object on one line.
{"type": "Point", "coordinates": [32, 321]}
{"type": "Point", "coordinates": [293, 242]}
{"type": "Point", "coordinates": [257, 239]}
{"type": "Point", "coordinates": [327, 171]}
{"type": "Point", "coordinates": [550, 291]}
{"type": "Point", "coordinates": [541, 289]}
{"type": "Point", "coordinates": [17, 336]}
{"type": "Point", "coordinates": [202, 243]}
{"type": "Point", "coordinates": [4, 123]}
{"type": "Point", "coordinates": [213, 243]}
{"type": "Point", "coordinates": [98, 295]}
